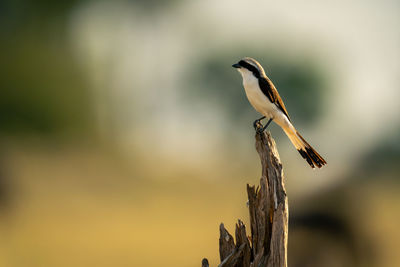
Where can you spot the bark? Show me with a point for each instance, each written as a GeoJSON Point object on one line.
{"type": "Point", "coordinates": [268, 210]}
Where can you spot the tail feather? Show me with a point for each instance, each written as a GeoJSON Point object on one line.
{"type": "Point", "coordinates": [306, 151]}
{"type": "Point", "coordinates": [310, 155]}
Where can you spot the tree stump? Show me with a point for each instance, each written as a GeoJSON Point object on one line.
{"type": "Point", "coordinates": [268, 209]}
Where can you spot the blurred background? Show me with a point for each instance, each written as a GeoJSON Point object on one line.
{"type": "Point", "coordinates": [126, 136]}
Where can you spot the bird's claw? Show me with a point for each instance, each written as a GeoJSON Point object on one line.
{"type": "Point", "coordinates": [260, 129]}
{"type": "Point", "coordinates": [258, 126]}
{"type": "Point", "coordinates": [255, 124]}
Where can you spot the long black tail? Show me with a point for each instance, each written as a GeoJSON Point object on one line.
{"type": "Point", "coordinates": [310, 155]}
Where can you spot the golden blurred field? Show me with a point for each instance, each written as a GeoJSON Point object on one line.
{"type": "Point", "coordinates": [85, 208]}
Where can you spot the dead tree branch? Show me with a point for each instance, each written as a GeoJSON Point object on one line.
{"type": "Point", "coordinates": [268, 209]}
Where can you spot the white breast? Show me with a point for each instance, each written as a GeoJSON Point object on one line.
{"type": "Point", "coordinates": [255, 96]}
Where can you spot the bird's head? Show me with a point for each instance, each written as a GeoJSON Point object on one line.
{"type": "Point", "coordinates": [249, 66]}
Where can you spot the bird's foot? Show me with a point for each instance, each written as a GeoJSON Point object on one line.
{"type": "Point", "coordinates": [259, 127]}
{"type": "Point", "coordinates": [257, 123]}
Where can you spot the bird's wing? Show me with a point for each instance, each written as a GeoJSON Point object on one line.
{"type": "Point", "coordinates": [270, 91]}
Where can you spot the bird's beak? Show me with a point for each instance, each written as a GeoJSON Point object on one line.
{"type": "Point", "coordinates": [236, 65]}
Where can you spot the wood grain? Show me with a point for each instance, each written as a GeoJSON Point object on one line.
{"type": "Point", "coordinates": [268, 211]}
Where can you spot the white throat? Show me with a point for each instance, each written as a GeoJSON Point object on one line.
{"type": "Point", "coordinates": [248, 77]}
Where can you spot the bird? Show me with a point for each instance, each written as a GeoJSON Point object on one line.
{"type": "Point", "coordinates": [265, 99]}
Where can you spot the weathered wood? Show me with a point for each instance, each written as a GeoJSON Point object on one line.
{"type": "Point", "coordinates": [268, 210]}
{"type": "Point", "coordinates": [274, 203]}
{"type": "Point", "coordinates": [226, 243]}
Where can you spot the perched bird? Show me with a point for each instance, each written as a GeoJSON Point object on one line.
{"type": "Point", "coordinates": [264, 97]}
